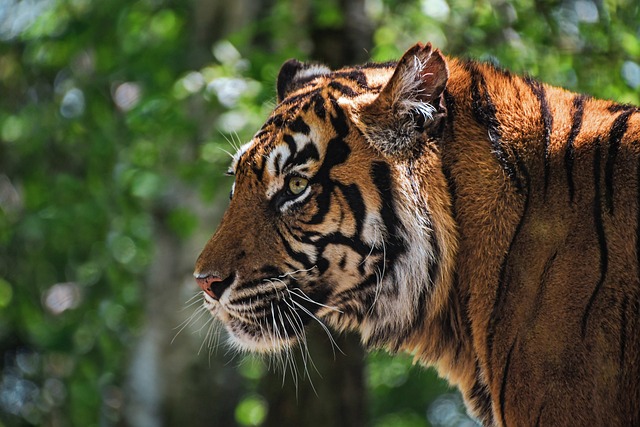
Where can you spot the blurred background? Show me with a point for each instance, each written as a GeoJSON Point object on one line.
{"type": "Point", "coordinates": [115, 120]}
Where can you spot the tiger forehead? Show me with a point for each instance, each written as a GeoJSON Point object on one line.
{"type": "Point", "coordinates": [297, 148]}
{"type": "Point", "coordinates": [312, 103]}
{"type": "Point", "coordinates": [284, 144]}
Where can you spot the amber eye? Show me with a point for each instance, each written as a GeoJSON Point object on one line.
{"type": "Point", "coordinates": [297, 185]}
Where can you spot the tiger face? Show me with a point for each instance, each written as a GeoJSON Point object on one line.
{"type": "Point", "coordinates": [323, 223]}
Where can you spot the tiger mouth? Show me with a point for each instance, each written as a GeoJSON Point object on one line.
{"type": "Point", "coordinates": [265, 315]}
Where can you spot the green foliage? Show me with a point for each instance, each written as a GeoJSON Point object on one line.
{"type": "Point", "coordinates": [105, 117]}
{"type": "Point", "coordinates": [88, 151]}
{"type": "Point", "coordinates": [391, 379]}
{"type": "Point", "coordinates": [251, 411]}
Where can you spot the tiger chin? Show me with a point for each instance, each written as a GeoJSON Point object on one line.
{"type": "Point", "coordinates": [486, 223]}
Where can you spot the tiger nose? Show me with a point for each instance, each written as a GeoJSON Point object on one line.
{"type": "Point", "coordinates": [207, 283]}
{"type": "Point", "coordinates": [212, 284]}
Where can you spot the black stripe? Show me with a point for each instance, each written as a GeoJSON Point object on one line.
{"type": "Point", "coordinates": [340, 239]}
{"type": "Point", "coordinates": [270, 271]}
{"type": "Point", "coordinates": [539, 417]}
{"type": "Point", "coordinates": [276, 163]}
{"type": "Point", "coordinates": [480, 400]}
{"type": "Point", "coordinates": [450, 104]}
{"type": "Point", "coordinates": [296, 100]}
{"type": "Point", "coordinates": [623, 332]}
{"type": "Point", "coordinates": [569, 154]}
{"type": "Point", "coordinates": [339, 119]}
{"type": "Point", "coordinates": [638, 218]}
{"type": "Point", "coordinates": [256, 303]}
{"type": "Point", "coordinates": [343, 261]}
{"type": "Point", "coordinates": [353, 196]}
{"type": "Point", "coordinates": [434, 265]}
{"type": "Point", "coordinates": [309, 151]}
{"type": "Point", "coordinates": [617, 131]}
{"type": "Point", "coordinates": [503, 386]}
{"type": "Point", "coordinates": [291, 143]}
{"type": "Point", "coordinates": [337, 152]}
{"type": "Point", "coordinates": [318, 292]}
{"type": "Point", "coordinates": [299, 125]}
{"type": "Point", "coordinates": [258, 169]}
{"type": "Point", "coordinates": [276, 120]}
{"type": "Point", "coordinates": [446, 169]}
{"type": "Point", "coordinates": [376, 65]}
{"type": "Point", "coordinates": [394, 245]}
{"type": "Point", "coordinates": [500, 297]}
{"type": "Point", "coordinates": [616, 108]}
{"type": "Point", "coordinates": [343, 89]}
{"type": "Point", "coordinates": [355, 75]}
{"type": "Point", "coordinates": [544, 277]}
{"type": "Point", "coordinates": [484, 112]}
{"type": "Point", "coordinates": [318, 106]}
{"type": "Point", "coordinates": [300, 257]}
{"type": "Point", "coordinates": [547, 125]}
{"type": "Point", "coordinates": [360, 298]}
{"type": "Point", "coordinates": [602, 240]}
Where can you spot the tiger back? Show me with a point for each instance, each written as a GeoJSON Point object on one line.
{"type": "Point", "coordinates": [484, 222]}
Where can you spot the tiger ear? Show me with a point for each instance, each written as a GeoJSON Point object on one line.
{"type": "Point", "coordinates": [294, 73]}
{"type": "Point", "coordinates": [411, 102]}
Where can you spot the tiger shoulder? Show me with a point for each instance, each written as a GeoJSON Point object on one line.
{"type": "Point", "coordinates": [484, 222]}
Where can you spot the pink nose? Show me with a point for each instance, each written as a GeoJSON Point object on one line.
{"type": "Point", "coordinates": [206, 284]}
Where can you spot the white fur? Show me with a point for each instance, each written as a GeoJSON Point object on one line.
{"type": "Point", "coordinates": [238, 154]}
{"type": "Point", "coordinates": [396, 305]}
{"type": "Point", "coordinates": [312, 70]}
{"type": "Point", "coordinates": [409, 89]}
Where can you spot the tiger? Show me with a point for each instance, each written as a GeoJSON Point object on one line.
{"type": "Point", "coordinates": [481, 221]}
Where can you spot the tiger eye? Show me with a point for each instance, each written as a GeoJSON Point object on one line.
{"type": "Point", "coordinates": [297, 185]}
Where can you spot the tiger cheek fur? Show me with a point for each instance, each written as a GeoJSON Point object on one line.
{"type": "Point", "coordinates": [485, 223]}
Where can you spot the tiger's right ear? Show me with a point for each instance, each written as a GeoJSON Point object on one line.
{"type": "Point", "coordinates": [411, 102]}
{"type": "Point", "coordinates": [293, 74]}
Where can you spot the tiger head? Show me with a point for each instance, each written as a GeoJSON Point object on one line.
{"type": "Point", "coordinates": [339, 212]}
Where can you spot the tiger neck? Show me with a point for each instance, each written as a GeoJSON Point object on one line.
{"type": "Point", "coordinates": [491, 155]}
{"type": "Point", "coordinates": [442, 336]}
{"type": "Point", "coordinates": [495, 158]}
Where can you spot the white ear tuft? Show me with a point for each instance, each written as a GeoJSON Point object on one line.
{"type": "Point", "coordinates": [410, 101]}
{"type": "Point", "coordinates": [293, 73]}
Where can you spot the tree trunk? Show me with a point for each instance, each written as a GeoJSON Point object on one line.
{"type": "Point", "coordinates": [331, 391]}
{"type": "Point", "coordinates": [338, 397]}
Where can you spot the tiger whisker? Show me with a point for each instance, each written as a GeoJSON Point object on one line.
{"type": "Point", "coordinates": [210, 339]}
{"type": "Point", "coordinates": [225, 151]}
{"type": "Point", "coordinates": [236, 141]}
{"type": "Point", "coordinates": [334, 344]}
{"type": "Point", "coordinates": [288, 358]}
{"type": "Point", "coordinates": [304, 296]}
{"type": "Point", "coordinates": [193, 318]}
{"type": "Point", "coordinates": [304, 348]}
{"type": "Point", "coordinates": [210, 323]}
{"type": "Point", "coordinates": [307, 298]}
{"type": "Point", "coordinates": [302, 270]}
{"type": "Point", "coordinates": [232, 142]}
{"type": "Point", "coordinates": [195, 299]}
{"type": "Point", "coordinates": [300, 335]}
{"type": "Point", "coordinates": [373, 246]}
